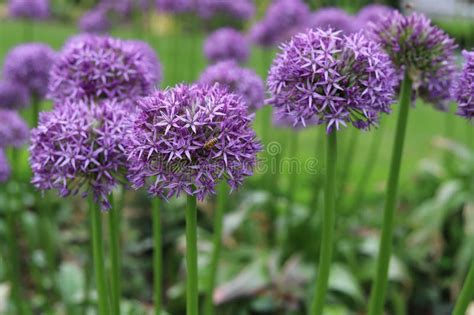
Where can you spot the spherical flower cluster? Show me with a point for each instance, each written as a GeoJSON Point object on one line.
{"type": "Point", "coordinates": [79, 148]}
{"type": "Point", "coordinates": [29, 9]}
{"type": "Point", "coordinates": [334, 18]}
{"type": "Point", "coordinates": [187, 138]}
{"type": "Point", "coordinates": [226, 43]}
{"type": "Point", "coordinates": [4, 167]}
{"type": "Point", "coordinates": [13, 96]}
{"type": "Point", "coordinates": [91, 68]}
{"type": "Point", "coordinates": [95, 21]}
{"type": "Point", "coordinates": [283, 19]}
{"type": "Point", "coordinates": [372, 13]}
{"type": "Point", "coordinates": [331, 79]}
{"type": "Point", "coordinates": [13, 130]}
{"type": "Point", "coordinates": [29, 65]}
{"type": "Point", "coordinates": [174, 6]}
{"type": "Point", "coordinates": [423, 50]}
{"type": "Point", "coordinates": [240, 10]}
{"type": "Point", "coordinates": [240, 81]}
{"type": "Point", "coordinates": [463, 88]}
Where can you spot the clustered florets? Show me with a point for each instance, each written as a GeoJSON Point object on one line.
{"type": "Point", "coordinates": [79, 148]}
{"type": "Point", "coordinates": [241, 81]}
{"type": "Point", "coordinates": [331, 79]}
{"type": "Point", "coordinates": [226, 43]}
{"type": "Point", "coordinates": [372, 13]}
{"type": "Point", "coordinates": [92, 68]}
{"type": "Point", "coordinates": [4, 167]}
{"type": "Point", "coordinates": [463, 88]}
{"type": "Point", "coordinates": [29, 65]}
{"type": "Point", "coordinates": [13, 96]}
{"type": "Point", "coordinates": [13, 129]}
{"type": "Point", "coordinates": [187, 138]}
{"type": "Point", "coordinates": [423, 50]}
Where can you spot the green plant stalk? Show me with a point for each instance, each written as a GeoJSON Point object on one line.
{"type": "Point", "coordinates": [328, 226]}
{"type": "Point", "coordinates": [98, 257]}
{"type": "Point", "coordinates": [222, 195]}
{"type": "Point", "coordinates": [292, 185]}
{"type": "Point", "coordinates": [115, 256]}
{"type": "Point", "coordinates": [467, 293]}
{"type": "Point", "coordinates": [347, 167]}
{"type": "Point", "coordinates": [377, 298]}
{"type": "Point", "coordinates": [191, 257]}
{"type": "Point", "coordinates": [157, 254]}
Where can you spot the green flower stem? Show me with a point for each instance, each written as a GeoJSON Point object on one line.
{"type": "Point", "coordinates": [113, 217]}
{"type": "Point", "coordinates": [191, 257]}
{"type": "Point", "coordinates": [328, 226]}
{"type": "Point", "coordinates": [467, 293]}
{"type": "Point", "coordinates": [222, 195]}
{"type": "Point", "coordinates": [292, 185]}
{"type": "Point", "coordinates": [98, 257]}
{"type": "Point", "coordinates": [377, 298]}
{"type": "Point", "coordinates": [157, 254]}
{"type": "Point", "coordinates": [347, 163]}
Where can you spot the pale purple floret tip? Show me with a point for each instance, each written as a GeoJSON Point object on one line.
{"type": "Point", "coordinates": [92, 68]}
{"type": "Point", "coordinates": [13, 129]}
{"type": "Point", "coordinates": [326, 78]}
{"type": "Point", "coordinates": [4, 167]}
{"type": "Point", "coordinates": [78, 148]}
{"type": "Point", "coordinates": [240, 81]}
{"type": "Point", "coordinates": [463, 88]}
{"type": "Point", "coordinates": [226, 43]}
{"type": "Point", "coordinates": [13, 96]}
{"type": "Point", "coordinates": [188, 138]}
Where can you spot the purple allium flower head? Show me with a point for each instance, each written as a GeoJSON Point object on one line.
{"type": "Point", "coordinates": [95, 21]}
{"type": "Point", "coordinates": [332, 79]}
{"type": "Point", "coordinates": [463, 88]}
{"type": "Point", "coordinates": [241, 81]}
{"type": "Point", "coordinates": [13, 96]}
{"type": "Point", "coordinates": [79, 148]}
{"type": "Point", "coordinates": [241, 9]}
{"type": "Point", "coordinates": [423, 50]}
{"type": "Point", "coordinates": [372, 13]}
{"type": "Point", "coordinates": [282, 20]}
{"type": "Point", "coordinates": [334, 18]}
{"type": "Point", "coordinates": [4, 167]}
{"type": "Point", "coordinates": [13, 129]}
{"type": "Point", "coordinates": [29, 65]}
{"type": "Point", "coordinates": [226, 43]}
{"type": "Point", "coordinates": [174, 6]}
{"type": "Point", "coordinates": [29, 9]}
{"type": "Point", "coordinates": [187, 138]}
{"type": "Point", "coordinates": [92, 68]}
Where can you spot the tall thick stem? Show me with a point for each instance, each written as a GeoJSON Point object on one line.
{"type": "Point", "coordinates": [191, 257]}
{"type": "Point", "coordinates": [115, 257]}
{"type": "Point", "coordinates": [327, 238]}
{"type": "Point", "coordinates": [467, 293]}
{"type": "Point", "coordinates": [157, 254]}
{"type": "Point", "coordinates": [377, 298]}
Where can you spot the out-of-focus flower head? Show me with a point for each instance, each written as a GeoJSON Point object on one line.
{"type": "Point", "coordinates": [95, 21]}
{"type": "Point", "coordinates": [240, 10]}
{"type": "Point", "coordinates": [4, 167]}
{"type": "Point", "coordinates": [13, 95]}
{"type": "Point", "coordinates": [283, 19]}
{"type": "Point", "coordinates": [29, 9]}
{"type": "Point", "coordinates": [334, 18]}
{"type": "Point", "coordinates": [240, 81]}
{"type": "Point", "coordinates": [78, 148]}
{"type": "Point", "coordinates": [92, 68]}
{"type": "Point", "coordinates": [463, 88]}
{"type": "Point", "coordinates": [13, 129]}
{"type": "Point", "coordinates": [226, 43]}
{"type": "Point", "coordinates": [174, 6]}
{"type": "Point", "coordinates": [324, 77]}
{"type": "Point", "coordinates": [188, 138]}
{"type": "Point", "coordinates": [372, 13]}
{"type": "Point", "coordinates": [29, 65]}
{"type": "Point", "coordinates": [415, 45]}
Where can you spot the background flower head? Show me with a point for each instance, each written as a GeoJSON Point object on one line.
{"type": "Point", "coordinates": [240, 81]}
{"type": "Point", "coordinates": [426, 52]}
{"type": "Point", "coordinates": [463, 88]}
{"type": "Point", "coordinates": [187, 138]}
{"type": "Point", "coordinates": [239, 10]}
{"type": "Point", "coordinates": [95, 21]}
{"type": "Point", "coordinates": [79, 148]}
{"type": "Point", "coordinates": [13, 96]}
{"type": "Point", "coordinates": [325, 77]}
{"type": "Point", "coordinates": [4, 167]}
{"type": "Point", "coordinates": [226, 43]}
{"type": "Point", "coordinates": [174, 6]}
{"type": "Point", "coordinates": [29, 9]}
{"type": "Point", "coordinates": [334, 18]}
{"type": "Point", "coordinates": [29, 65]}
{"type": "Point", "coordinates": [92, 68]}
{"type": "Point", "coordinates": [13, 129]}
{"type": "Point", "coordinates": [372, 13]}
